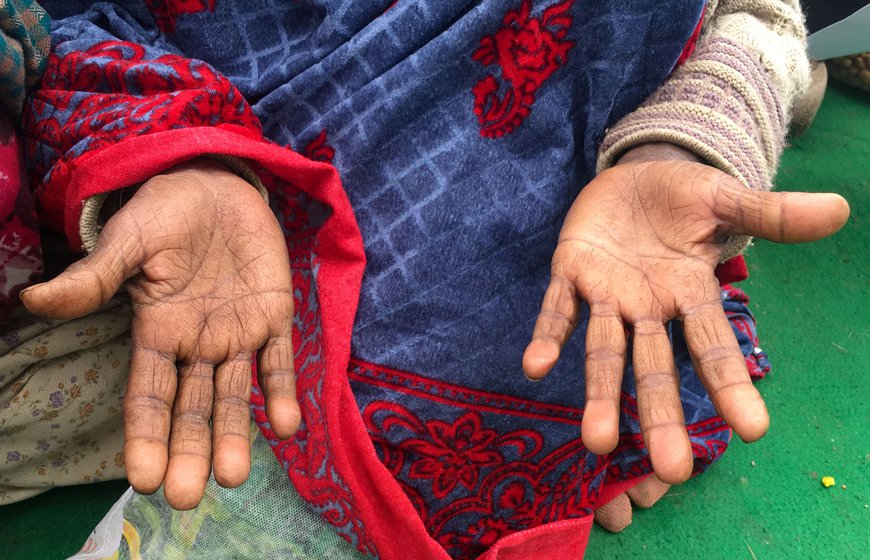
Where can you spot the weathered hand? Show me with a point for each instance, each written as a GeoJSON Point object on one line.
{"type": "Point", "coordinates": [209, 277]}
{"type": "Point", "coordinates": [640, 245]}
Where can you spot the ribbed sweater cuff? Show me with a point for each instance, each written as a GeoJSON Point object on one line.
{"type": "Point", "coordinates": [720, 105]}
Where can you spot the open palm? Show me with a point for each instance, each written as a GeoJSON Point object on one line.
{"type": "Point", "coordinates": [640, 245]}
{"type": "Point", "coordinates": [208, 274]}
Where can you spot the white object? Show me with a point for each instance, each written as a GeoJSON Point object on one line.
{"type": "Point", "coordinates": [847, 36]}
{"type": "Point", "coordinates": [106, 536]}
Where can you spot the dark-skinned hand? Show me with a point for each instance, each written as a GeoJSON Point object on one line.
{"type": "Point", "coordinates": [206, 266]}
{"type": "Point", "coordinates": [639, 246]}
{"type": "Point", "coordinates": [207, 270]}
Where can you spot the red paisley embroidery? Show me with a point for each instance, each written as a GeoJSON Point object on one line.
{"type": "Point", "coordinates": [165, 12]}
{"type": "Point", "coordinates": [319, 150]}
{"type": "Point", "coordinates": [527, 50]}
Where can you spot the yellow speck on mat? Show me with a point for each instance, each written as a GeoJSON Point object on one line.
{"type": "Point", "coordinates": [828, 481]}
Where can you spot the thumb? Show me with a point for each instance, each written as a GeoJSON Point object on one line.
{"type": "Point", "coordinates": [783, 217]}
{"type": "Point", "coordinates": [88, 284]}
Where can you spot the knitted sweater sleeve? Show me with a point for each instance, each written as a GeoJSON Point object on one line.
{"type": "Point", "coordinates": [731, 100]}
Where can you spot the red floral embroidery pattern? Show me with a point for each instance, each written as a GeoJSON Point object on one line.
{"type": "Point", "coordinates": [527, 50]}
{"type": "Point", "coordinates": [165, 12]}
{"type": "Point", "coordinates": [476, 478]}
{"type": "Point", "coordinates": [454, 453]}
{"type": "Point", "coordinates": [508, 484]}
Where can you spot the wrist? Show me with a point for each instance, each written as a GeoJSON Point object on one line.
{"type": "Point", "coordinates": [658, 151]}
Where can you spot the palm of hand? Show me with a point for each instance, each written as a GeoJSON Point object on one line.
{"type": "Point", "coordinates": [204, 292]}
{"type": "Point", "coordinates": [209, 280]}
{"type": "Point", "coordinates": [662, 256]}
{"type": "Point", "coordinates": [640, 245]}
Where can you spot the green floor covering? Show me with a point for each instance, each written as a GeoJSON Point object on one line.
{"type": "Point", "coordinates": [763, 500]}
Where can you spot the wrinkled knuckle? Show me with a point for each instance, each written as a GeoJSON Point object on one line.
{"type": "Point", "coordinates": [606, 353]}
{"type": "Point", "coordinates": [143, 404]}
{"type": "Point", "coordinates": [646, 327]}
{"type": "Point", "coordinates": [197, 401]}
{"type": "Point", "coordinates": [560, 298]}
{"type": "Point", "coordinates": [604, 312]}
{"type": "Point", "coordinates": [234, 421]}
{"type": "Point", "coordinates": [198, 370]}
{"type": "Point", "coordinates": [665, 410]}
{"type": "Point", "coordinates": [550, 336]}
{"type": "Point", "coordinates": [602, 385]}
{"type": "Point", "coordinates": [733, 384]}
{"type": "Point", "coordinates": [234, 383]}
{"type": "Point", "coordinates": [192, 418]}
{"type": "Point", "coordinates": [556, 316]}
{"type": "Point", "coordinates": [656, 384]}
{"type": "Point", "coordinates": [277, 354]}
{"type": "Point", "coordinates": [229, 402]}
{"type": "Point", "coordinates": [279, 383]}
{"type": "Point", "coordinates": [718, 355]}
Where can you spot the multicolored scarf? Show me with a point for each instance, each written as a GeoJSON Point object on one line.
{"type": "Point", "coordinates": [24, 46]}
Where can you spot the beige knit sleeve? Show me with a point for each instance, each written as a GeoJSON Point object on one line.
{"type": "Point", "coordinates": [730, 102]}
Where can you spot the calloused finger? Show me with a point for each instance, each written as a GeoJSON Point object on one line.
{"type": "Point", "coordinates": [147, 416]}
{"type": "Point", "coordinates": [231, 421]}
{"type": "Point", "coordinates": [658, 400]}
{"type": "Point", "coordinates": [783, 217]}
{"type": "Point", "coordinates": [556, 322]}
{"type": "Point", "coordinates": [722, 369]}
{"type": "Point", "coordinates": [278, 382]}
{"type": "Point", "coordinates": [190, 437]}
{"type": "Point", "coordinates": [605, 363]}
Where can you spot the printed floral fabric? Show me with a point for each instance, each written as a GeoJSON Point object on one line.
{"type": "Point", "coordinates": [61, 385]}
{"type": "Point", "coordinates": [462, 134]}
{"type": "Point", "coordinates": [24, 45]}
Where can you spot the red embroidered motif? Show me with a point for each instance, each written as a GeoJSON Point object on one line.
{"type": "Point", "coordinates": [511, 486]}
{"type": "Point", "coordinates": [453, 454]}
{"type": "Point", "coordinates": [319, 150]}
{"type": "Point", "coordinates": [164, 93]}
{"type": "Point", "coordinates": [528, 50]}
{"type": "Point", "coordinates": [166, 11]}
{"type": "Point", "coordinates": [474, 477]}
